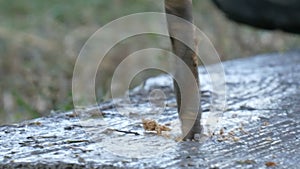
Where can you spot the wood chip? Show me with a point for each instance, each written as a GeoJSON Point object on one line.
{"type": "Point", "coordinates": [221, 131]}
{"type": "Point", "coordinates": [270, 164]}
{"type": "Point", "coordinates": [269, 139]}
{"type": "Point", "coordinates": [152, 125]}
{"type": "Point", "coordinates": [236, 139]}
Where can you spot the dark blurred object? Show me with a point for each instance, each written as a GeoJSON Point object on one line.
{"type": "Point", "coordinates": [267, 14]}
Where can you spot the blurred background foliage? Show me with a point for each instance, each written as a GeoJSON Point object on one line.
{"type": "Point", "coordinates": [40, 40]}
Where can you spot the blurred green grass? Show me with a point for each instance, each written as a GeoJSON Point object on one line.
{"type": "Point", "coordinates": [40, 40]}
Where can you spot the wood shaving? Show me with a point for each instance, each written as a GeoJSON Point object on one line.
{"type": "Point", "coordinates": [236, 139]}
{"type": "Point", "coordinates": [221, 131]}
{"type": "Point", "coordinates": [269, 139]}
{"type": "Point", "coordinates": [246, 162]}
{"type": "Point", "coordinates": [231, 133]}
{"type": "Point", "coordinates": [152, 125]}
{"type": "Point", "coordinates": [243, 131]}
{"type": "Point", "coordinates": [270, 164]}
{"type": "Point", "coordinates": [35, 123]}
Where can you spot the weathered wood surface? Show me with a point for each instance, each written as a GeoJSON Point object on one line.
{"type": "Point", "coordinates": [262, 94]}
